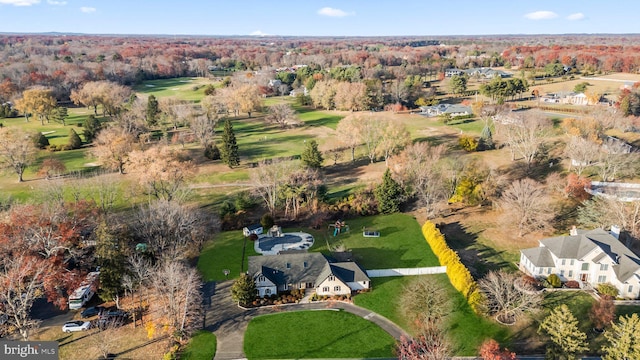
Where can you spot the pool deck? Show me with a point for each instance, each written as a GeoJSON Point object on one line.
{"type": "Point", "coordinates": [267, 245]}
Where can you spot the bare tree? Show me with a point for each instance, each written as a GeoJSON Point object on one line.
{"type": "Point", "coordinates": [213, 106]}
{"type": "Point", "coordinates": [346, 132]}
{"type": "Point", "coordinates": [172, 230]}
{"type": "Point", "coordinates": [526, 204]}
{"type": "Point", "coordinates": [526, 134]}
{"type": "Point", "coordinates": [178, 298]}
{"type": "Point", "coordinates": [268, 179]}
{"type": "Point", "coordinates": [175, 111]}
{"type": "Point", "coordinates": [614, 158]}
{"type": "Point", "coordinates": [603, 212]}
{"type": "Point", "coordinates": [395, 138]}
{"type": "Point", "coordinates": [428, 345]}
{"type": "Point", "coordinates": [103, 190]}
{"type": "Point", "coordinates": [419, 169]}
{"type": "Point", "coordinates": [581, 153]}
{"type": "Point", "coordinates": [17, 150]}
{"type": "Point", "coordinates": [506, 297]}
{"type": "Point", "coordinates": [283, 115]}
{"type": "Point", "coordinates": [204, 128]}
{"type": "Point", "coordinates": [21, 283]}
{"type": "Point", "coordinates": [425, 302]}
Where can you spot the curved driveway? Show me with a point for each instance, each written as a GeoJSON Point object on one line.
{"type": "Point", "coordinates": [229, 322]}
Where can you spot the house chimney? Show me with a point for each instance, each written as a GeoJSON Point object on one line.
{"type": "Point", "coordinates": [573, 231]}
{"type": "Point", "coordinates": [615, 231]}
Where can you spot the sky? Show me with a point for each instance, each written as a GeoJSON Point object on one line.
{"type": "Point", "coordinates": [320, 18]}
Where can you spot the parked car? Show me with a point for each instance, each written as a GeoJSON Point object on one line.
{"type": "Point", "coordinates": [112, 318]}
{"type": "Point", "coordinates": [91, 311]}
{"type": "Point", "coordinates": [76, 326]}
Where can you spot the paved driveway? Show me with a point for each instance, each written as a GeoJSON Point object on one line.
{"type": "Point", "coordinates": [229, 322]}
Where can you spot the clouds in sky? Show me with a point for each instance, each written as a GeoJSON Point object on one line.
{"type": "Point", "coordinates": [576, 16]}
{"type": "Point", "coordinates": [548, 15]}
{"type": "Point", "coordinates": [19, 2]}
{"type": "Point", "coordinates": [541, 15]}
{"type": "Point", "coordinates": [59, 3]}
{"type": "Point", "coordinates": [328, 11]}
{"type": "Point", "coordinates": [259, 33]}
{"type": "Point", "coordinates": [88, 10]}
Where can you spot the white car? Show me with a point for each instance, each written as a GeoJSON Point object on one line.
{"type": "Point", "coordinates": [76, 326]}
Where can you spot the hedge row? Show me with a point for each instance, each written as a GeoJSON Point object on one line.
{"type": "Point", "coordinates": [458, 274]}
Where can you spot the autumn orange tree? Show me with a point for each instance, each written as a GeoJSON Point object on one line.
{"type": "Point", "coordinates": [37, 244]}
{"type": "Point", "coordinates": [490, 350]}
{"type": "Point", "coordinates": [38, 101]}
{"type": "Point", "coordinates": [112, 147]}
{"type": "Point", "coordinates": [161, 171]}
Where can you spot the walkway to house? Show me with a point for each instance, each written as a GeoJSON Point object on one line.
{"type": "Point", "coordinates": [229, 322]}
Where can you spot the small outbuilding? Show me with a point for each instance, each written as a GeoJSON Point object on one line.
{"type": "Point", "coordinates": [252, 229]}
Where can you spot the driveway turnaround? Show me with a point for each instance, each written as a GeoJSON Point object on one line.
{"type": "Point", "coordinates": [229, 322]}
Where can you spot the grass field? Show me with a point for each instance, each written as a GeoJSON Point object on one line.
{"type": "Point", "coordinates": [201, 346]}
{"type": "Point", "coordinates": [224, 252]}
{"type": "Point", "coordinates": [191, 89]}
{"type": "Point", "coordinates": [315, 334]}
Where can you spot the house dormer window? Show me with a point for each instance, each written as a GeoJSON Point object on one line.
{"type": "Point", "coordinates": [288, 266]}
{"type": "Point", "coordinates": [332, 278]}
{"type": "Point", "coordinates": [305, 264]}
{"type": "Point", "coordinates": [261, 278]}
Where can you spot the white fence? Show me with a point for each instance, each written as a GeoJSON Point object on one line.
{"type": "Point", "coordinates": [407, 271]}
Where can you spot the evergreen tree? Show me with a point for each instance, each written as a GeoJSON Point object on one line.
{"type": "Point", "coordinates": [624, 343]}
{"type": "Point", "coordinates": [152, 111]}
{"type": "Point", "coordinates": [311, 156]}
{"type": "Point", "coordinates": [59, 114]}
{"type": "Point", "coordinates": [486, 139]}
{"type": "Point", "coordinates": [388, 194]}
{"type": "Point", "coordinates": [91, 128]}
{"type": "Point", "coordinates": [112, 263]}
{"type": "Point", "coordinates": [243, 290]}
{"type": "Point", "coordinates": [212, 152]}
{"type": "Point", "coordinates": [74, 140]}
{"type": "Point", "coordinates": [229, 150]}
{"type": "Point", "coordinates": [567, 339]}
{"type": "Point", "coordinates": [40, 140]}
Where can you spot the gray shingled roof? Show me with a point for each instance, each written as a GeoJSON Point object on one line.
{"type": "Point", "coordinates": [539, 257]}
{"type": "Point", "coordinates": [318, 268]}
{"type": "Point", "coordinates": [578, 246]}
{"type": "Point", "coordinates": [349, 272]}
{"type": "Point", "coordinates": [275, 268]}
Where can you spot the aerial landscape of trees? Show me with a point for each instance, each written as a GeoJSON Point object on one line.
{"type": "Point", "coordinates": [133, 154]}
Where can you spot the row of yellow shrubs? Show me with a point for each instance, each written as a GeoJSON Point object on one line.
{"type": "Point", "coordinates": [458, 274]}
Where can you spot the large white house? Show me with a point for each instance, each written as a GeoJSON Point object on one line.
{"type": "Point", "coordinates": [589, 257]}
{"type": "Point", "coordinates": [309, 271]}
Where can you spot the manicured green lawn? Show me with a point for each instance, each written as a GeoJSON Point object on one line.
{"type": "Point", "coordinates": [224, 252]}
{"type": "Point", "coordinates": [469, 126]}
{"type": "Point", "coordinates": [187, 88]}
{"type": "Point", "coordinates": [400, 244]}
{"type": "Point", "coordinates": [201, 346]}
{"type": "Point", "coordinates": [313, 117]}
{"type": "Point", "coordinates": [315, 334]}
{"type": "Point", "coordinates": [464, 328]}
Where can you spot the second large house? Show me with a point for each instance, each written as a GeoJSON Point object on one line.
{"type": "Point", "coordinates": [308, 271]}
{"type": "Point", "coordinates": [589, 257]}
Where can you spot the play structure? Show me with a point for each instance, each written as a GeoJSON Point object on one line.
{"type": "Point", "coordinates": [339, 227]}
